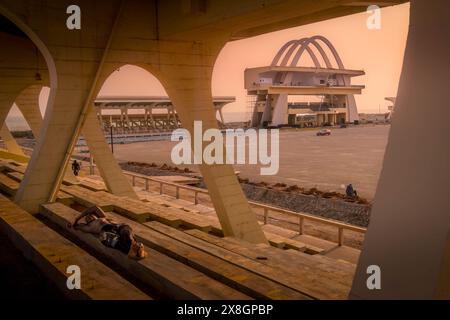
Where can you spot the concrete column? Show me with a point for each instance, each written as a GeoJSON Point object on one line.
{"type": "Point", "coordinates": [74, 71]}
{"type": "Point", "coordinates": [408, 235]}
{"type": "Point", "coordinates": [41, 178]}
{"type": "Point", "coordinates": [6, 102]}
{"type": "Point", "coordinates": [10, 143]}
{"type": "Point", "coordinates": [221, 116]}
{"type": "Point", "coordinates": [28, 104]}
{"type": "Point", "coordinates": [100, 118]}
{"type": "Point", "coordinates": [187, 80]}
{"type": "Point", "coordinates": [22, 88]}
{"type": "Point", "coordinates": [280, 111]}
{"type": "Point", "coordinates": [175, 117]}
{"type": "Point", "coordinates": [267, 113]}
{"type": "Point", "coordinates": [254, 121]}
{"type": "Point", "coordinates": [152, 121]}
{"type": "Point", "coordinates": [122, 116]}
{"type": "Point", "coordinates": [116, 182]}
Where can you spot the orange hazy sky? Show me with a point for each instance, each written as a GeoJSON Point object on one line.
{"type": "Point", "coordinates": [378, 52]}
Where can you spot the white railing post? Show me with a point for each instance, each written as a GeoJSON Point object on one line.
{"type": "Point", "coordinates": [301, 220]}
{"type": "Point", "coordinates": [341, 236]}
{"type": "Point", "coordinates": [91, 166]}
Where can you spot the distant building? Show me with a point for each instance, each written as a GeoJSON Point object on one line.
{"type": "Point", "coordinates": [131, 115]}
{"type": "Point", "coordinates": [373, 117]}
{"type": "Point", "coordinates": [392, 107]}
{"type": "Point", "coordinates": [271, 86]}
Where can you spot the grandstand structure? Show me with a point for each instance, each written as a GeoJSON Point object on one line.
{"type": "Point", "coordinates": [228, 253]}
{"type": "Point", "coordinates": [134, 115]}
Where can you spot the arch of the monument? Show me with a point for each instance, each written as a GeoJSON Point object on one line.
{"type": "Point", "coordinates": [293, 51]}
{"type": "Point", "coordinates": [299, 46]}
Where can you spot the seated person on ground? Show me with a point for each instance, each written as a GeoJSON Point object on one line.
{"type": "Point", "coordinates": [112, 234]}
{"type": "Point", "coordinates": [351, 192]}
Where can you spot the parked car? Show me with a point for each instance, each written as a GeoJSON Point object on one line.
{"type": "Point", "coordinates": [324, 132]}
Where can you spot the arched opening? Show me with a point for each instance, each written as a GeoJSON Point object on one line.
{"type": "Point", "coordinates": [29, 58]}
{"type": "Point", "coordinates": [16, 26]}
{"type": "Point", "coordinates": [24, 119]}
{"type": "Point", "coordinates": [360, 50]}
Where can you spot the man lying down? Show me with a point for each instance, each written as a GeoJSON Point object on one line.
{"type": "Point", "coordinates": [112, 234]}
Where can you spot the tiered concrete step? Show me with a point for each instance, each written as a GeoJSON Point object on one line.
{"type": "Point", "coordinates": [238, 281]}
{"type": "Point", "coordinates": [10, 183]}
{"type": "Point", "coordinates": [170, 277]}
{"type": "Point", "coordinates": [288, 239]}
{"type": "Point", "coordinates": [92, 184]}
{"type": "Point", "coordinates": [15, 175]}
{"type": "Point", "coordinates": [52, 254]}
{"type": "Point", "coordinates": [277, 236]}
{"type": "Point", "coordinates": [289, 260]}
{"type": "Point", "coordinates": [307, 274]}
{"type": "Point", "coordinates": [174, 212]}
{"type": "Point", "coordinates": [88, 198]}
{"type": "Point", "coordinates": [344, 253]}
{"type": "Point", "coordinates": [313, 245]}
{"type": "Point", "coordinates": [10, 165]}
{"type": "Point", "coordinates": [138, 210]}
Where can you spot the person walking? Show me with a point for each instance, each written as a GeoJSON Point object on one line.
{"type": "Point", "coordinates": [76, 167]}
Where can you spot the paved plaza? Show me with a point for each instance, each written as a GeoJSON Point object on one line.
{"type": "Point", "coordinates": [352, 155]}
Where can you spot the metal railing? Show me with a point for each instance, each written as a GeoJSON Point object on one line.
{"type": "Point", "coordinates": [302, 217]}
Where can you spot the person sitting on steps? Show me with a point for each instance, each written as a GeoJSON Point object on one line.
{"type": "Point", "coordinates": [112, 234]}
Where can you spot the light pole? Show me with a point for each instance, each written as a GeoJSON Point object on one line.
{"type": "Point", "coordinates": [111, 138]}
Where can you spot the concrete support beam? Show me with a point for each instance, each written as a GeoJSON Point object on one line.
{"type": "Point", "coordinates": [116, 182]}
{"type": "Point", "coordinates": [76, 73]}
{"type": "Point", "coordinates": [267, 113]}
{"type": "Point", "coordinates": [10, 143]}
{"type": "Point", "coordinates": [408, 235]}
{"type": "Point", "coordinates": [280, 110]}
{"type": "Point", "coordinates": [28, 104]}
{"type": "Point", "coordinates": [187, 79]}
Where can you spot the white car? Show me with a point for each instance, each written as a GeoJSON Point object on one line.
{"type": "Point", "coordinates": [324, 132]}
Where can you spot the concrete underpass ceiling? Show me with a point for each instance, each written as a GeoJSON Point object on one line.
{"type": "Point", "coordinates": [8, 27]}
